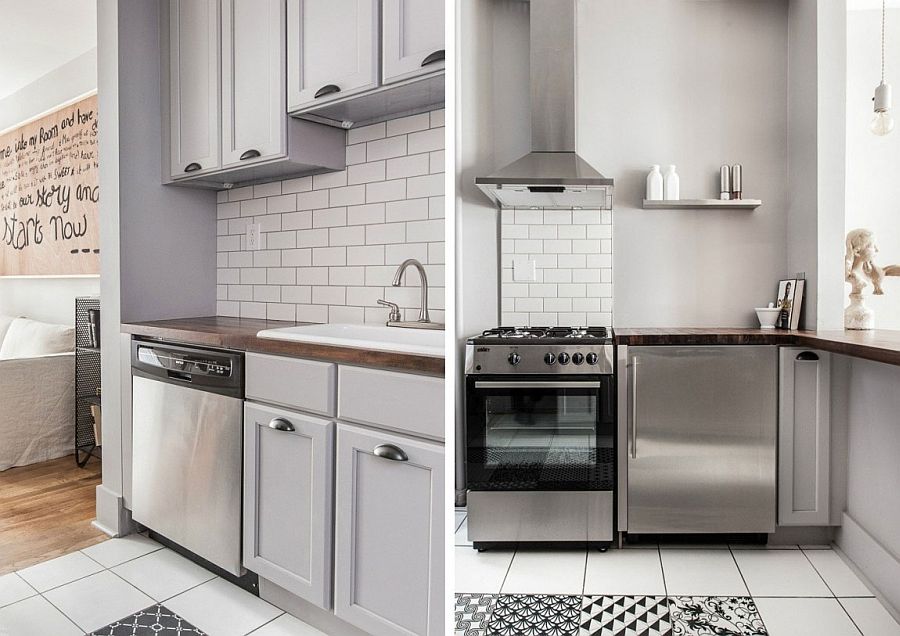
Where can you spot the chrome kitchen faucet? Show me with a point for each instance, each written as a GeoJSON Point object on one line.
{"type": "Point", "coordinates": [394, 318]}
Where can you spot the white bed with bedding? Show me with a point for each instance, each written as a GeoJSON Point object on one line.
{"type": "Point", "coordinates": [37, 391]}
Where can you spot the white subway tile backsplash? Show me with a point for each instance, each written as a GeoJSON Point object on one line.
{"type": "Point", "coordinates": [572, 254]}
{"type": "Point", "coordinates": [331, 243]}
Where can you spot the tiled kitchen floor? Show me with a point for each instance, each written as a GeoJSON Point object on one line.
{"type": "Point", "coordinates": [133, 586]}
{"type": "Point", "coordinates": [661, 590]}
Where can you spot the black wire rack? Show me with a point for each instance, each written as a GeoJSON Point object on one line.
{"type": "Point", "coordinates": [87, 382]}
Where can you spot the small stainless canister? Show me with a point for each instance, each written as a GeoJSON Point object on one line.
{"type": "Point", "coordinates": [724, 183]}
{"type": "Point", "coordinates": [736, 181]}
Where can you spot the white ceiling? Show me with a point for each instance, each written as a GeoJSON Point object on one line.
{"type": "Point", "coordinates": [40, 35]}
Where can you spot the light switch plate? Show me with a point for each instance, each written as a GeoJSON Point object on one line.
{"type": "Point", "coordinates": [524, 270]}
{"type": "Point", "coordinates": [253, 232]}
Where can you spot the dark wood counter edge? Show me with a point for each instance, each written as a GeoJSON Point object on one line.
{"type": "Point", "coordinates": [887, 350]}
{"type": "Point", "coordinates": [242, 340]}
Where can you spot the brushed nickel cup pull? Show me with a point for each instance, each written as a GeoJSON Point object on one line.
{"type": "Point", "coordinates": [437, 56]}
{"type": "Point", "coordinates": [192, 167]}
{"type": "Point", "coordinates": [328, 89]}
{"type": "Point", "coordinates": [807, 355]}
{"type": "Point", "coordinates": [250, 154]}
{"type": "Point", "coordinates": [389, 451]}
{"type": "Point", "coordinates": [281, 424]}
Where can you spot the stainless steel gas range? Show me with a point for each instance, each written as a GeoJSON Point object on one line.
{"type": "Point", "coordinates": [540, 435]}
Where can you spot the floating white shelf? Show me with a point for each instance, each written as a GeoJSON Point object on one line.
{"type": "Point", "coordinates": [694, 204]}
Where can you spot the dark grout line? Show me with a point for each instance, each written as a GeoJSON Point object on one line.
{"type": "Point", "coordinates": [508, 568]}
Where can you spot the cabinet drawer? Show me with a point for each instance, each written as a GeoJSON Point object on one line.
{"type": "Point", "coordinates": [399, 401]}
{"type": "Point", "coordinates": [302, 384]}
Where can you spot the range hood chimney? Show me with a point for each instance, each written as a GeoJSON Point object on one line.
{"type": "Point", "coordinates": [552, 175]}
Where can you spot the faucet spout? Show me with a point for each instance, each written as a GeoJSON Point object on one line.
{"type": "Point", "coordinates": [423, 310]}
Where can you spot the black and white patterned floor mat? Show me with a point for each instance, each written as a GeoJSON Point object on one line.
{"type": "Point", "coordinates": [155, 620]}
{"type": "Point", "coordinates": [549, 615]}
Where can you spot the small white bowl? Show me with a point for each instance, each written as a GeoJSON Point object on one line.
{"type": "Point", "coordinates": [768, 316]}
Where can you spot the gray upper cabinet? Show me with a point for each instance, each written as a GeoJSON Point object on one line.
{"type": "Point", "coordinates": [288, 500]}
{"type": "Point", "coordinates": [389, 533]}
{"type": "Point", "coordinates": [412, 38]}
{"type": "Point", "coordinates": [332, 49]}
{"type": "Point", "coordinates": [804, 437]}
{"type": "Point", "coordinates": [253, 72]}
{"type": "Point", "coordinates": [194, 86]}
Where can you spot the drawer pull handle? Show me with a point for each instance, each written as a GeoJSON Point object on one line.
{"type": "Point", "coordinates": [192, 167]}
{"type": "Point", "coordinates": [281, 424]}
{"type": "Point", "coordinates": [437, 56]}
{"type": "Point", "coordinates": [328, 89]}
{"type": "Point", "coordinates": [807, 355]}
{"type": "Point", "coordinates": [250, 154]}
{"type": "Point", "coordinates": [389, 451]}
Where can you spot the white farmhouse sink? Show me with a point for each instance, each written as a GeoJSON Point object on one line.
{"type": "Point", "coordinates": [426, 342]}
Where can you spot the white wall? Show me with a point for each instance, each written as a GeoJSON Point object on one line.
{"type": "Point", "coordinates": [48, 299]}
{"type": "Point", "coordinates": [705, 83]}
{"type": "Point", "coordinates": [873, 188]}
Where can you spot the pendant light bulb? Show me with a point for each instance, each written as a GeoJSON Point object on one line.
{"type": "Point", "coordinates": [883, 121]}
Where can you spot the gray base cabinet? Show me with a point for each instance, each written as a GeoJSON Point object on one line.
{"type": "Point", "coordinates": [389, 533]}
{"type": "Point", "coordinates": [288, 500]}
{"type": "Point", "coordinates": [804, 437]}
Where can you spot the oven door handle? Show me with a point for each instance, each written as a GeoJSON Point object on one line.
{"type": "Point", "coordinates": [532, 384]}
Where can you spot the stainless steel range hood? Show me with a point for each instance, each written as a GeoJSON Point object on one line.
{"type": "Point", "coordinates": [552, 175]}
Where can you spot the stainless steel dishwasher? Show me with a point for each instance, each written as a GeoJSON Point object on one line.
{"type": "Point", "coordinates": [697, 439]}
{"type": "Point", "coordinates": [187, 418]}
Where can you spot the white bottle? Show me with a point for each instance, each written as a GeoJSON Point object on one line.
{"type": "Point", "coordinates": [654, 184]}
{"type": "Point", "coordinates": [671, 185]}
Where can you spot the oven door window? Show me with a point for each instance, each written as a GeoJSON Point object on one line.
{"type": "Point", "coordinates": [543, 436]}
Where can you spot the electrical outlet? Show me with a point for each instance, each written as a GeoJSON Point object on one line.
{"type": "Point", "coordinates": [253, 232]}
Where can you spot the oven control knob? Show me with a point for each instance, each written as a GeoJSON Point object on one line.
{"type": "Point", "coordinates": [577, 358]}
{"type": "Point", "coordinates": [549, 358]}
{"type": "Point", "coordinates": [563, 358]}
{"type": "Point", "coordinates": [514, 359]}
{"type": "Point", "coordinates": [591, 358]}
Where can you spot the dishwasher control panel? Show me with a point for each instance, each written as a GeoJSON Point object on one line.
{"type": "Point", "coordinates": [219, 371]}
{"type": "Point", "coordinates": [185, 363]}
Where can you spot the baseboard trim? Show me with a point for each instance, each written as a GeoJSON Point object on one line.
{"type": "Point", "coordinates": [876, 563]}
{"type": "Point", "coordinates": [112, 516]}
{"type": "Point", "coordinates": [108, 531]}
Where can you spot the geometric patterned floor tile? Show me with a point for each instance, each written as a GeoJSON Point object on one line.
{"type": "Point", "coordinates": [155, 620]}
{"type": "Point", "coordinates": [715, 616]}
{"type": "Point", "coordinates": [535, 615]}
{"type": "Point", "coordinates": [625, 616]}
{"type": "Point", "coordinates": [472, 613]}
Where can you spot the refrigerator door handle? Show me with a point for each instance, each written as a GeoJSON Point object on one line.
{"type": "Point", "coordinates": [634, 404]}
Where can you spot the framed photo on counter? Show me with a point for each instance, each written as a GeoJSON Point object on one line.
{"type": "Point", "coordinates": [790, 301]}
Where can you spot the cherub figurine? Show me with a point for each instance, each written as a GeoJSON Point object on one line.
{"type": "Point", "coordinates": [860, 270]}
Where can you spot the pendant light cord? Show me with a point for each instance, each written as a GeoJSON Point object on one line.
{"type": "Point", "coordinates": [883, 4]}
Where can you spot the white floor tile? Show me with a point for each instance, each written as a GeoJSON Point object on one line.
{"type": "Point", "coordinates": [546, 572]}
{"type": "Point", "coordinates": [481, 572]}
{"type": "Point", "coordinates": [701, 573]}
{"type": "Point", "coordinates": [870, 616]}
{"type": "Point", "coordinates": [13, 589]}
{"type": "Point", "coordinates": [624, 573]}
{"type": "Point", "coordinates": [35, 617]}
{"type": "Point", "coordinates": [220, 608]}
{"type": "Point", "coordinates": [461, 538]}
{"type": "Point", "coordinates": [59, 571]}
{"type": "Point", "coordinates": [805, 617]}
{"type": "Point", "coordinates": [98, 600]}
{"type": "Point", "coordinates": [780, 573]}
{"type": "Point", "coordinates": [837, 574]}
{"type": "Point", "coordinates": [756, 546]}
{"type": "Point", "coordinates": [163, 574]}
{"type": "Point", "coordinates": [460, 516]}
{"type": "Point", "coordinates": [287, 625]}
{"type": "Point", "coordinates": [113, 552]}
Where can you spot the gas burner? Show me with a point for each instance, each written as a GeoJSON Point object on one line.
{"type": "Point", "coordinates": [578, 332]}
{"type": "Point", "coordinates": [516, 332]}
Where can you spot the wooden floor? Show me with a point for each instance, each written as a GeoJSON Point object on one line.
{"type": "Point", "coordinates": [46, 511]}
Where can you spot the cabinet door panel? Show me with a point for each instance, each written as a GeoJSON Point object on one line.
{"type": "Point", "coordinates": [288, 500]}
{"type": "Point", "coordinates": [389, 534]}
{"type": "Point", "coordinates": [412, 30]}
{"type": "Point", "coordinates": [804, 437]}
{"type": "Point", "coordinates": [331, 43]}
{"type": "Point", "coordinates": [253, 81]}
{"type": "Point", "coordinates": [193, 86]}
